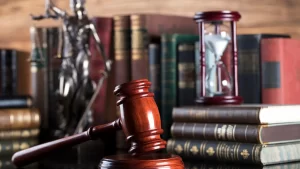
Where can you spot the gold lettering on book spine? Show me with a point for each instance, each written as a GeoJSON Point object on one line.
{"type": "Point", "coordinates": [233, 135]}
{"type": "Point", "coordinates": [202, 153]}
{"type": "Point", "coordinates": [221, 134]}
{"type": "Point", "coordinates": [186, 148]}
{"type": "Point", "coordinates": [218, 150]}
{"type": "Point", "coordinates": [178, 149]}
{"type": "Point", "coordinates": [246, 132]}
{"type": "Point", "coordinates": [229, 133]}
{"type": "Point", "coordinates": [210, 151]}
{"type": "Point", "coordinates": [193, 130]}
{"type": "Point", "coordinates": [215, 132]}
{"type": "Point", "coordinates": [204, 148]}
{"type": "Point", "coordinates": [204, 130]}
{"type": "Point", "coordinates": [237, 151]}
{"type": "Point", "coordinates": [194, 150]}
{"type": "Point", "coordinates": [16, 146]}
{"type": "Point", "coordinates": [186, 47]}
{"type": "Point", "coordinates": [24, 145]}
{"type": "Point", "coordinates": [19, 118]}
{"type": "Point", "coordinates": [245, 154]}
{"type": "Point", "coordinates": [199, 115]}
{"type": "Point", "coordinates": [182, 130]}
{"type": "Point", "coordinates": [257, 153]}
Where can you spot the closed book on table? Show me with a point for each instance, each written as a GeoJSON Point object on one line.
{"type": "Point", "coordinates": [260, 134]}
{"type": "Point", "coordinates": [236, 152]}
{"type": "Point", "coordinates": [238, 114]}
{"type": "Point", "coordinates": [222, 165]}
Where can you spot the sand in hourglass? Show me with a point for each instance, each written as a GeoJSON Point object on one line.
{"type": "Point", "coordinates": [218, 80]}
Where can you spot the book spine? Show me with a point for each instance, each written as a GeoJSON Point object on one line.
{"type": "Point", "coordinates": [122, 43]}
{"type": "Point", "coordinates": [217, 115]}
{"type": "Point", "coordinates": [8, 72]}
{"type": "Point", "coordinates": [4, 70]}
{"type": "Point", "coordinates": [12, 146]}
{"type": "Point", "coordinates": [103, 108]}
{"type": "Point", "coordinates": [168, 84]}
{"type": "Point", "coordinates": [139, 48]}
{"type": "Point", "coordinates": [122, 65]}
{"type": "Point", "coordinates": [15, 101]}
{"type": "Point", "coordinates": [212, 131]}
{"type": "Point", "coordinates": [272, 74]}
{"type": "Point", "coordinates": [19, 118]}
{"type": "Point", "coordinates": [23, 73]}
{"type": "Point", "coordinates": [104, 28]}
{"type": "Point", "coordinates": [214, 150]}
{"type": "Point", "coordinates": [154, 73]}
{"type": "Point", "coordinates": [19, 134]}
{"type": "Point", "coordinates": [14, 72]}
{"type": "Point", "coordinates": [186, 74]}
{"type": "Point", "coordinates": [249, 77]}
{"type": "Point", "coordinates": [222, 165]}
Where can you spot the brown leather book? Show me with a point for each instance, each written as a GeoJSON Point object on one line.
{"type": "Point", "coordinates": [19, 134]}
{"type": "Point", "coordinates": [147, 28]}
{"type": "Point", "coordinates": [23, 73]}
{"type": "Point", "coordinates": [121, 65]}
{"type": "Point", "coordinates": [280, 71]}
{"type": "Point", "coordinates": [104, 28]}
{"type": "Point", "coordinates": [238, 114]}
{"type": "Point", "coordinates": [234, 152]}
{"type": "Point", "coordinates": [22, 118]}
{"type": "Point", "coordinates": [122, 42]}
{"type": "Point", "coordinates": [260, 134]}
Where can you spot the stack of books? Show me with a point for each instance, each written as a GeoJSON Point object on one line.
{"type": "Point", "coordinates": [259, 135]}
{"type": "Point", "coordinates": [19, 119]}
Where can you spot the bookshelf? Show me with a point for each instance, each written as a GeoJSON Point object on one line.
{"type": "Point", "coordinates": [258, 16]}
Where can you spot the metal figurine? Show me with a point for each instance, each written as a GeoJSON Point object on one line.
{"type": "Point", "coordinates": [76, 91]}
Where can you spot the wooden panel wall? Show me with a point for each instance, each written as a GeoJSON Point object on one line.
{"type": "Point", "coordinates": [267, 16]}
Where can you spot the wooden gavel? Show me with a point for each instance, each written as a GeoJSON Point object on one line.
{"type": "Point", "coordinates": [139, 120]}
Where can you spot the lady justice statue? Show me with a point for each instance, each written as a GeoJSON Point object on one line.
{"type": "Point", "coordinates": [76, 92]}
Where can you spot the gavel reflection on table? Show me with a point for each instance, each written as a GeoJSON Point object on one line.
{"type": "Point", "coordinates": [141, 124]}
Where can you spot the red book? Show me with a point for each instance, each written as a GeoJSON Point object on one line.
{"type": "Point", "coordinates": [280, 71]}
{"type": "Point", "coordinates": [104, 27]}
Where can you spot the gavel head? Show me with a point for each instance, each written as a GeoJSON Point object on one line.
{"type": "Point", "coordinates": [139, 116]}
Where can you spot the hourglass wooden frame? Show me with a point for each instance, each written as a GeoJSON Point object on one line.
{"type": "Point", "coordinates": [215, 16]}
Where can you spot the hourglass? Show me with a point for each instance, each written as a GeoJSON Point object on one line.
{"type": "Point", "coordinates": [218, 57]}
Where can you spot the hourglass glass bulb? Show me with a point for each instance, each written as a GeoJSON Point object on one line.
{"type": "Point", "coordinates": [218, 79]}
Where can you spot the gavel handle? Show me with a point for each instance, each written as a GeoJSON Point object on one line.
{"type": "Point", "coordinates": [38, 152]}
